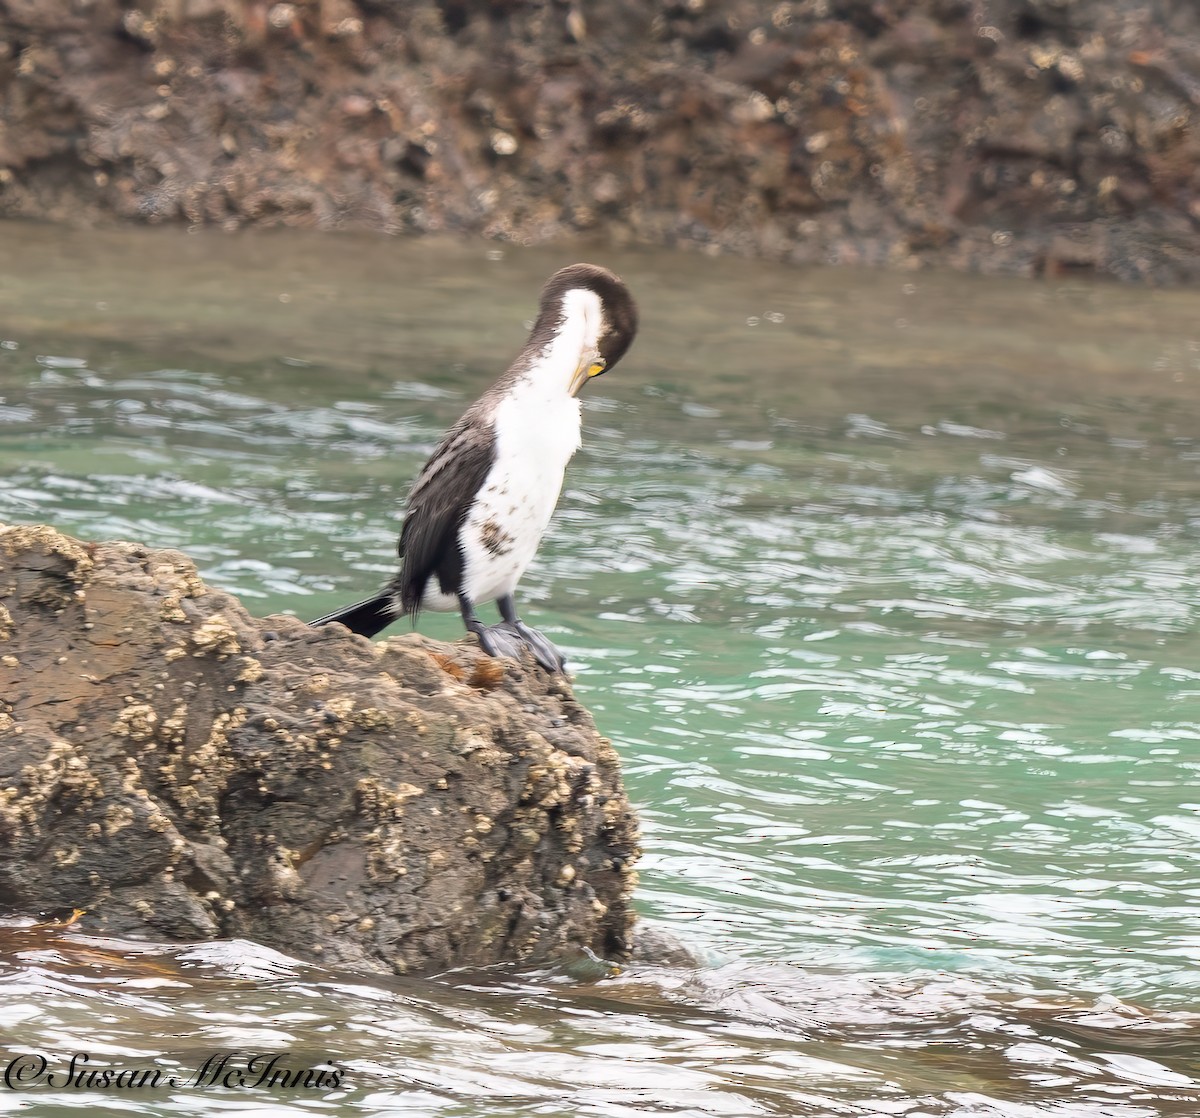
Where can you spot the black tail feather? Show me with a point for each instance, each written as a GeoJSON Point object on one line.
{"type": "Point", "coordinates": [365, 618]}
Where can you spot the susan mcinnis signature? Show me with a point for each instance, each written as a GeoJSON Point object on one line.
{"type": "Point", "coordinates": [280, 1071]}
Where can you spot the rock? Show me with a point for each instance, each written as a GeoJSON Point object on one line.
{"type": "Point", "coordinates": [923, 132]}
{"type": "Point", "coordinates": [182, 770]}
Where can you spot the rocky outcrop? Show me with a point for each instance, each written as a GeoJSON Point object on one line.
{"type": "Point", "coordinates": [182, 770]}
{"type": "Point", "coordinates": [999, 135]}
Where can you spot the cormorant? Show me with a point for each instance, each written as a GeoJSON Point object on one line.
{"type": "Point", "coordinates": [479, 508]}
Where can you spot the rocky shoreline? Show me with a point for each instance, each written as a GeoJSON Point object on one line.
{"type": "Point", "coordinates": [183, 771]}
{"type": "Point", "coordinates": [1028, 136]}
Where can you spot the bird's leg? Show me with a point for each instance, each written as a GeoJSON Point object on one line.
{"type": "Point", "coordinates": [495, 640]}
{"type": "Point", "coordinates": [543, 651]}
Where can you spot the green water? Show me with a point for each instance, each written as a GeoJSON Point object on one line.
{"type": "Point", "coordinates": [885, 586]}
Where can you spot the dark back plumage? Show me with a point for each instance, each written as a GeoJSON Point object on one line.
{"type": "Point", "coordinates": [438, 504]}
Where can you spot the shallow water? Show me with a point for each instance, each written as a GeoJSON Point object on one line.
{"type": "Point", "coordinates": [885, 587]}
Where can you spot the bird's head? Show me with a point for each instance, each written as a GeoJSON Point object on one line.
{"type": "Point", "coordinates": [586, 321]}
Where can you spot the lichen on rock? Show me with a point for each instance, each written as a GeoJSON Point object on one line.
{"type": "Point", "coordinates": [182, 770]}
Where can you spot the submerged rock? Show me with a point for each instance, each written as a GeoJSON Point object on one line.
{"type": "Point", "coordinates": [182, 770]}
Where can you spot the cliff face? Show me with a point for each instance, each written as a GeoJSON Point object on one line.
{"type": "Point", "coordinates": [182, 770]}
{"type": "Point", "coordinates": [1018, 135]}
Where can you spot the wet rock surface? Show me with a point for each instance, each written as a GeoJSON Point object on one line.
{"type": "Point", "coordinates": [182, 770]}
{"type": "Point", "coordinates": [1036, 136]}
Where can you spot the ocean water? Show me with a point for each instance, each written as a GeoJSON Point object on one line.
{"type": "Point", "coordinates": [885, 585]}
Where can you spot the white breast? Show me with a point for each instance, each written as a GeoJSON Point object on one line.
{"type": "Point", "coordinates": [535, 439]}
{"type": "Point", "coordinates": [537, 427]}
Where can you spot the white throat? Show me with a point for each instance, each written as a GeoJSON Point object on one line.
{"type": "Point", "coordinates": [576, 341]}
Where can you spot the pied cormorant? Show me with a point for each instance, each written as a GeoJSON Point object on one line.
{"type": "Point", "coordinates": [479, 508]}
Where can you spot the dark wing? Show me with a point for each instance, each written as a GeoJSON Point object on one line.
{"type": "Point", "coordinates": [438, 504]}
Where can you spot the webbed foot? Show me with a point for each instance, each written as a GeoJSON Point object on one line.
{"type": "Point", "coordinates": [543, 651]}
{"type": "Point", "coordinates": [498, 640]}
{"type": "Point", "coordinates": [507, 638]}
{"type": "Point", "coordinates": [510, 636]}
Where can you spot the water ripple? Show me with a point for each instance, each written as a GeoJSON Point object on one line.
{"type": "Point", "coordinates": [899, 651]}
